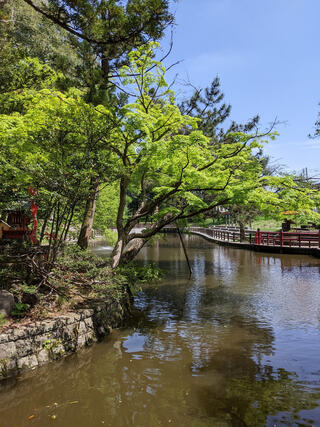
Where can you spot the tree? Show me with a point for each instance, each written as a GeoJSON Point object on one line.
{"type": "Point", "coordinates": [21, 82]}
{"type": "Point", "coordinates": [303, 198]}
{"type": "Point", "coordinates": [317, 128]}
{"type": "Point", "coordinates": [208, 106]}
{"type": "Point", "coordinates": [245, 214]}
{"type": "Point", "coordinates": [98, 36]}
{"type": "Point", "coordinates": [170, 165]}
{"type": "Point", "coordinates": [26, 33]}
{"type": "Point", "coordinates": [107, 207]}
{"type": "Point", "coordinates": [105, 31]}
{"type": "Point", "coordinates": [58, 144]}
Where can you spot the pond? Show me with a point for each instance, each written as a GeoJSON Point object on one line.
{"type": "Point", "coordinates": [236, 345]}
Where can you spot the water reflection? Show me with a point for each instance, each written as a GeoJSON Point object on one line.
{"type": "Point", "coordinates": [237, 345]}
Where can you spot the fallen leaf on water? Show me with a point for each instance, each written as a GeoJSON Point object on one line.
{"type": "Point", "coordinates": [74, 402]}
{"type": "Point", "coordinates": [31, 417]}
{"type": "Point", "coordinates": [53, 417]}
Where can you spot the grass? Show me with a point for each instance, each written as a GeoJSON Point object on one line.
{"type": "Point", "coordinates": [77, 279]}
{"type": "Point", "coordinates": [266, 224]}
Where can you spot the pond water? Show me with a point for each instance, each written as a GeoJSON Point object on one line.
{"type": "Point", "coordinates": [236, 345]}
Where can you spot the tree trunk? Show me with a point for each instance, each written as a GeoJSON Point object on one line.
{"type": "Point", "coordinates": [45, 222]}
{"type": "Point", "coordinates": [122, 234]}
{"type": "Point", "coordinates": [129, 245]}
{"type": "Point", "coordinates": [117, 252]}
{"type": "Point", "coordinates": [131, 250]}
{"type": "Point", "coordinates": [87, 223]}
{"type": "Point", "coordinates": [123, 254]}
{"type": "Point", "coordinates": [242, 232]}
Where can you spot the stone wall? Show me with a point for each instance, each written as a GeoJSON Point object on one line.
{"type": "Point", "coordinates": [26, 347]}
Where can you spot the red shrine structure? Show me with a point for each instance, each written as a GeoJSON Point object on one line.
{"type": "Point", "coordinates": [17, 223]}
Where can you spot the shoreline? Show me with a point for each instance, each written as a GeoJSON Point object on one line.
{"type": "Point", "coordinates": [26, 347]}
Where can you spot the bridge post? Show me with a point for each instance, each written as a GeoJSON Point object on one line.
{"type": "Point", "coordinates": [258, 237]}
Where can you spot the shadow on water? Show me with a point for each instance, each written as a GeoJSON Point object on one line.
{"type": "Point", "coordinates": [237, 345]}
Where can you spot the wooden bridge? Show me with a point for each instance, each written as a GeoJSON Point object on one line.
{"type": "Point", "coordinates": [304, 242]}
{"type": "Point", "coordinates": [304, 239]}
{"type": "Point", "coordinates": [298, 242]}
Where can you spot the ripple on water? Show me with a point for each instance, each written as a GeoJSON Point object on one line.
{"type": "Point", "coordinates": [236, 345]}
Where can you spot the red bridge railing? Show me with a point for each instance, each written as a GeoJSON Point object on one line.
{"type": "Point", "coordinates": [295, 239]}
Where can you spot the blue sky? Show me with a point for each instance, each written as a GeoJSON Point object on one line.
{"type": "Point", "coordinates": [266, 53]}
